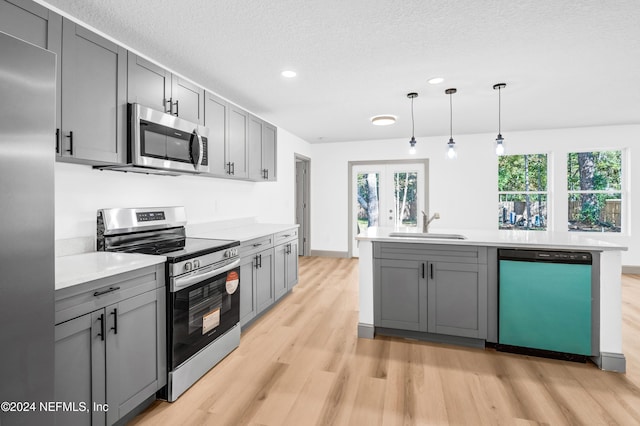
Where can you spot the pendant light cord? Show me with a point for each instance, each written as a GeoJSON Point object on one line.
{"type": "Point", "coordinates": [450, 116]}
{"type": "Point", "coordinates": [499, 110]}
{"type": "Point", "coordinates": [412, 123]}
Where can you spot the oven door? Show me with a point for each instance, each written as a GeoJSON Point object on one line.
{"type": "Point", "coordinates": [201, 313]}
{"type": "Point", "coordinates": [165, 141]}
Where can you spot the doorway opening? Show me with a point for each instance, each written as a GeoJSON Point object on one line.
{"type": "Point", "coordinates": [389, 194]}
{"type": "Point", "coordinates": [302, 203]}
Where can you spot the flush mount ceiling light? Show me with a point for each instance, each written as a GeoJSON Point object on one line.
{"type": "Point", "coordinates": [435, 80]}
{"type": "Point", "coordinates": [499, 139]}
{"type": "Point", "coordinates": [451, 150]}
{"type": "Point", "coordinates": [289, 73]}
{"type": "Point", "coordinates": [412, 142]}
{"type": "Point", "coordinates": [383, 120]}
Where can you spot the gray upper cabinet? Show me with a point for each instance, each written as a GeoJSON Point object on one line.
{"type": "Point", "coordinates": [238, 140]}
{"type": "Point", "coordinates": [92, 108]}
{"type": "Point", "coordinates": [157, 88]}
{"type": "Point", "coordinates": [38, 25]}
{"type": "Point", "coordinates": [148, 84]}
{"type": "Point", "coordinates": [262, 150]}
{"type": "Point", "coordinates": [216, 120]}
{"type": "Point", "coordinates": [31, 22]}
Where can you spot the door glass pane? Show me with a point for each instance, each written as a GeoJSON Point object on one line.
{"type": "Point", "coordinates": [405, 196]}
{"type": "Point", "coordinates": [368, 200]}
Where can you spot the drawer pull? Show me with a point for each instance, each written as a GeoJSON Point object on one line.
{"type": "Point", "coordinates": [257, 244]}
{"type": "Point", "coordinates": [109, 290]}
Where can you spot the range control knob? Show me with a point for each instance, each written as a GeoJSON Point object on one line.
{"type": "Point", "coordinates": [188, 266]}
{"type": "Point", "coordinates": [196, 263]}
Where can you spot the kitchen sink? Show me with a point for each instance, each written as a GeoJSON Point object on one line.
{"type": "Point", "coordinates": [428, 235]}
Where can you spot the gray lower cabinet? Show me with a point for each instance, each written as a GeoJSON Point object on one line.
{"type": "Point", "coordinates": [457, 299]}
{"type": "Point", "coordinates": [155, 87]}
{"type": "Point", "coordinates": [401, 294]}
{"type": "Point", "coordinates": [262, 150]}
{"type": "Point", "coordinates": [113, 357]}
{"type": "Point", "coordinates": [257, 291]}
{"type": "Point", "coordinates": [429, 288]}
{"type": "Point", "coordinates": [92, 109]}
{"type": "Point", "coordinates": [286, 261]}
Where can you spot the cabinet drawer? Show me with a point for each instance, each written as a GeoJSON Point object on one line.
{"type": "Point", "coordinates": [250, 247]}
{"type": "Point", "coordinates": [81, 299]}
{"type": "Point", "coordinates": [289, 234]}
{"type": "Point", "coordinates": [433, 252]}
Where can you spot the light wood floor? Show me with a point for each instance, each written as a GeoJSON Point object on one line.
{"type": "Point", "coordinates": [302, 364]}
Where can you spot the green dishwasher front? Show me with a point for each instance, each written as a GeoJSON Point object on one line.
{"type": "Point", "coordinates": [545, 304]}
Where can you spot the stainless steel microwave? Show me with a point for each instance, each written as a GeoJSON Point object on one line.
{"type": "Point", "coordinates": [162, 141]}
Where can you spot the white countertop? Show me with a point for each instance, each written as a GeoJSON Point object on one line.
{"type": "Point", "coordinates": [85, 267]}
{"type": "Point", "coordinates": [497, 238]}
{"type": "Point", "coordinates": [242, 233]}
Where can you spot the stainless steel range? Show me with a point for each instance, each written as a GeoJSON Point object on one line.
{"type": "Point", "coordinates": [203, 279]}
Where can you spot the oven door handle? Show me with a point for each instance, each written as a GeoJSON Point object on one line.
{"type": "Point", "coordinates": [184, 282]}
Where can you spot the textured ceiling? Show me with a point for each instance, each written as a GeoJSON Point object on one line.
{"type": "Point", "coordinates": [566, 63]}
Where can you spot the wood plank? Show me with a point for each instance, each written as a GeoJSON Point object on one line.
{"type": "Point", "coordinates": [302, 364]}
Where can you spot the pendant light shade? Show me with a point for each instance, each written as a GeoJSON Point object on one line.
{"type": "Point", "coordinates": [412, 142]}
{"type": "Point", "coordinates": [451, 145]}
{"type": "Point", "coordinates": [499, 139]}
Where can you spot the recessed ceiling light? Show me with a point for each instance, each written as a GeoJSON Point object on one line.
{"type": "Point", "coordinates": [435, 80]}
{"type": "Point", "coordinates": [383, 120]}
{"type": "Point", "coordinates": [289, 73]}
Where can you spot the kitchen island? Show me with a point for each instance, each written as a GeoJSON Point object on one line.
{"type": "Point", "coordinates": [468, 309]}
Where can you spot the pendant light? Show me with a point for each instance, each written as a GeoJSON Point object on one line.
{"type": "Point", "coordinates": [451, 151]}
{"type": "Point", "coordinates": [499, 139]}
{"type": "Point", "coordinates": [412, 142]}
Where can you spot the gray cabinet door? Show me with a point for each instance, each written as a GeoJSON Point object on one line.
{"type": "Point", "coordinates": [265, 290]}
{"type": "Point", "coordinates": [400, 294]}
{"type": "Point", "coordinates": [216, 121]}
{"type": "Point", "coordinates": [93, 104]}
{"type": "Point", "coordinates": [292, 264]}
{"type": "Point", "coordinates": [132, 347]}
{"type": "Point", "coordinates": [255, 149]}
{"type": "Point", "coordinates": [238, 140]}
{"type": "Point", "coordinates": [148, 84]}
{"type": "Point", "coordinates": [188, 100]}
{"type": "Point", "coordinates": [248, 301]}
{"type": "Point", "coordinates": [79, 368]}
{"type": "Point", "coordinates": [457, 295]}
{"type": "Point", "coordinates": [280, 270]}
{"type": "Point", "coordinates": [30, 22]}
{"type": "Point", "coordinates": [269, 151]}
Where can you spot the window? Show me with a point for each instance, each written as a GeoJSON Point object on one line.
{"type": "Point", "coordinates": [522, 192]}
{"type": "Point", "coordinates": [595, 191]}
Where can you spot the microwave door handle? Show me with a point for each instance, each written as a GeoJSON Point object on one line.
{"type": "Point", "coordinates": [196, 162]}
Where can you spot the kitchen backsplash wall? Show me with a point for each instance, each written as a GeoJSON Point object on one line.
{"type": "Point", "coordinates": [81, 191]}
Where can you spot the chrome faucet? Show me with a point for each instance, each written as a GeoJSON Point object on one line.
{"type": "Point", "coordinates": [425, 222]}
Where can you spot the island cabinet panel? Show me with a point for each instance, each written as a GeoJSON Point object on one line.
{"type": "Point", "coordinates": [401, 290]}
{"type": "Point", "coordinates": [438, 289]}
{"type": "Point", "coordinates": [457, 294]}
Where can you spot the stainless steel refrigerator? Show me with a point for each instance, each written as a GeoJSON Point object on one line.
{"type": "Point", "coordinates": [27, 156]}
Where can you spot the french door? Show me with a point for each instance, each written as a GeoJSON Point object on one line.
{"type": "Point", "coordinates": [386, 195]}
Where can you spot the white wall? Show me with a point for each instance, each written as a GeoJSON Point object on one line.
{"type": "Point", "coordinates": [464, 191]}
{"type": "Point", "coordinates": [80, 191]}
